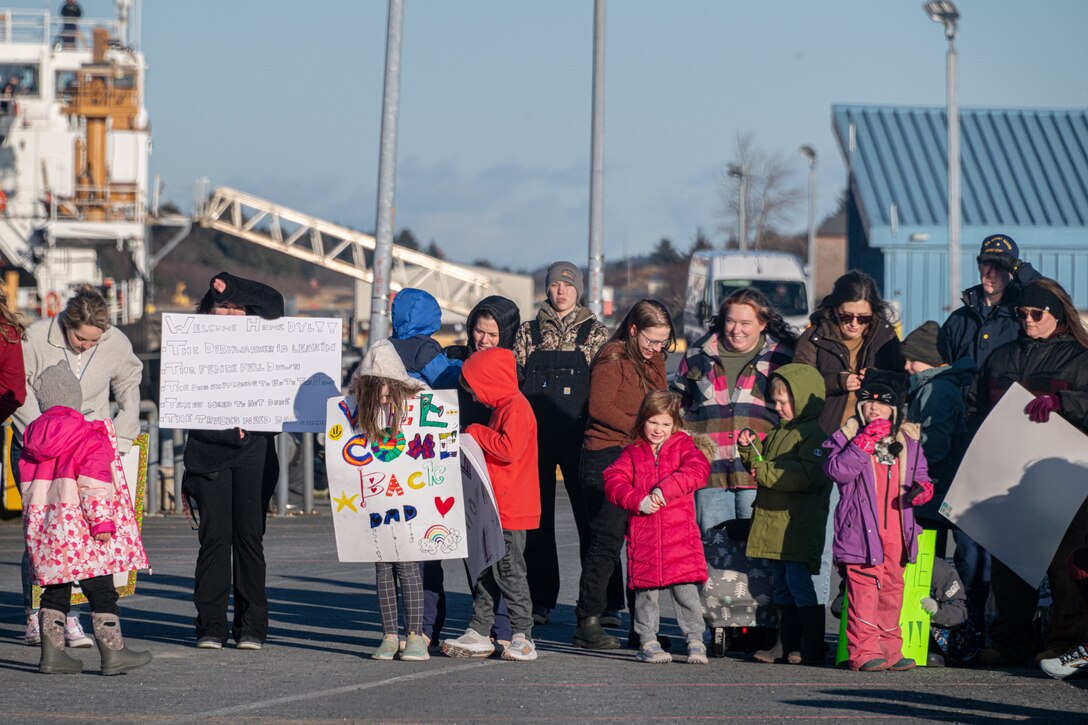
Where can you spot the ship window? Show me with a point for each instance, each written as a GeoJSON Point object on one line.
{"type": "Point", "coordinates": [66, 83]}
{"type": "Point", "coordinates": [27, 75]}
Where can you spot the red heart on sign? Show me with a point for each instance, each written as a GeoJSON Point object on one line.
{"type": "Point", "coordinates": [443, 505]}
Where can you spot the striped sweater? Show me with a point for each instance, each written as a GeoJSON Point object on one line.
{"type": "Point", "coordinates": [708, 407]}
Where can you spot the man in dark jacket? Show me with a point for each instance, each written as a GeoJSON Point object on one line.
{"type": "Point", "coordinates": [986, 321]}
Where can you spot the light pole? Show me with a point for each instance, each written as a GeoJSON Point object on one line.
{"type": "Point", "coordinates": [810, 153]}
{"type": "Point", "coordinates": [596, 170]}
{"type": "Point", "coordinates": [741, 173]}
{"type": "Point", "coordinates": [944, 12]}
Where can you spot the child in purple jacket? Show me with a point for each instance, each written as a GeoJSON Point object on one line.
{"type": "Point", "coordinates": [877, 461]}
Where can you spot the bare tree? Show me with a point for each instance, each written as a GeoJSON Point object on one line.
{"type": "Point", "coordinates": [771, 195]}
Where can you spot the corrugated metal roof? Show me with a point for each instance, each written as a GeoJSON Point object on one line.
{"type": "Point", "coordinates": [1024, 169]}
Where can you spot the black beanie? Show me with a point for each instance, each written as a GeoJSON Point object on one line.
{"type": "Point", "coordinates": [884, 386]}
{"type": "Point", "coordinates": [1036, 295]}
{"type": "Point", "coordinates": [923, 344]}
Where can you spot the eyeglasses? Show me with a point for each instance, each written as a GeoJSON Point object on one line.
{"type": "Point", "coordinates": [653, 344]}
{"type": "Point", "coordinates": [1025, 312]}
{"type": "Point", "coordinates": [846, 318]}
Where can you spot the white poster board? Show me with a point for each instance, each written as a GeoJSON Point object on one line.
{"type": "Point", "coordinates": [400, 498]}
{"type": "Point", "coordinates": [1019, 485]}
{"type": "Point", "coordinates": [222, 371]}
{"type": "Point", "coordinates": [485, 543]}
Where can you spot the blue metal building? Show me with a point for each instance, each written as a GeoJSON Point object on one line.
{"type": "Point", "coordinates": [1024, 173]}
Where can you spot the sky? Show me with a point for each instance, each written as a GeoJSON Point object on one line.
{"type": "Point", "coordinates": [283, 99]}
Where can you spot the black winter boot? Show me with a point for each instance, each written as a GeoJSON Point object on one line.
{"type": "Point", "coordinates": [813, 625]}
{"type": "Point", "coordinates": [116, 657]}
{"type": "Point", "coordinates": [789, 628]}
{"type": "Point", "coordinates": [54, 660]}
{"type": "Point", "coordinates": [590, 635]}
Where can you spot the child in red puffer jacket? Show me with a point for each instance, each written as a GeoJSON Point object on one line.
{"type": "Point", "coordinates": [655, 479]}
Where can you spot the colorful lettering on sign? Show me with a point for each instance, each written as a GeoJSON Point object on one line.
{"type": "Point", "coordinates": [357, 450]}
{"type": "Point", "coordinates": [447, 444]}
{"type": "Point", "coordinates": [421, 447]}
{"type": "Point", "coordinates": [370, 485]}
{"type": "Point", "coordinates": [394, 488]}
{"type": "Point", "coordinates": [392, 516]}
{"type": "Point", "coordinates": [426, 408]}
{"type": "Point", "coordinates": [388, 447]}
{"type": "Point", "coordinates": [352, 417]}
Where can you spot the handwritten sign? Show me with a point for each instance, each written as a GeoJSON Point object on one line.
{"type": "Point", "coordinates": [397, 498]}
{"type": "Point", "coordinates": [247, 372]}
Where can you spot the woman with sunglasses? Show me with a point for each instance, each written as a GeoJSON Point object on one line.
{"type": "Point", "coordinates": [851, 330]}
{"type": "Point", "coordinates": [629, 365]}
{"type": "Point", "coordinates": [1050, 360]}
{"type": "Point", "coordinates": [722, 382]}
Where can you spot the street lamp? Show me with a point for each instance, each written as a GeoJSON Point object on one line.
{"type": "Point", "coordinates": [741, 173]}
{"type": "Point", "coordinates": [810, 153]}
{"type": "Point", "coordinates": [944, 12]}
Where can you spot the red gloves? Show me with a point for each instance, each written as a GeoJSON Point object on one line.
{"type": "Point", "coordinates": [878, 429]}
{"type": "Point", "coordinates": [1039, 410]}
{"type": "Point", "coordinates": [925, 495]}
{"type": "Point", "coordinates": [875, 431]}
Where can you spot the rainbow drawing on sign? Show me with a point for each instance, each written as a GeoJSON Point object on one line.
{"type": "Point", "coordinates": [437, 533]}
{"type": "Point", "coordinates": [439, 538]}
{"type": "Point", "coordinates": [389, 446]}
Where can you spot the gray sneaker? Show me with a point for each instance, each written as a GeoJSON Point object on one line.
{"type": "Point", "coordinates": [520, 649]}
{"type": "Point", "coordinates": [697, 653]}
{"type": "Point", "coordinates": [388, 649]}
{"type": "Point", "coordinates": [651, 653]}
{"type": "Point", "coordinates": [1067, 664]}
{"type": "Point", "coordinates": [469, 644]}
{"type": "Point", "coordinates": [416, 649]}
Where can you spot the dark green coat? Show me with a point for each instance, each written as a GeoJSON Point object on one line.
{"type": "Point", "coordinates": [791, 505]}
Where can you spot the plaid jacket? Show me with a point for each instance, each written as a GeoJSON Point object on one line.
{"type": "Point", "coordinates": [708, 407]}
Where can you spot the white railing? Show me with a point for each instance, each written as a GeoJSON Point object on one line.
{"type": "Point", "coordinates": [44, 28]}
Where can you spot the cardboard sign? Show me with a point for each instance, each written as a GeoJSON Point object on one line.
{"type": "Point", "coordinates": [398, 498]}
{"type": "Point", "coordinates": [485, 543]}
{"type": "Point", "coordinates": [1019, 476]}
{"type": "Point", "coordinates": [222, 371]}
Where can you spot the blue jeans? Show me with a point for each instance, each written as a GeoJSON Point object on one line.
{"type": "Point", "coordinates": [715, 505]}
{"type": "Point", "coordinates": [792, 584]}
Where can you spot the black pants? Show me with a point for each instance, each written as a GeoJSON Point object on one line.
{"type": "Point", "coordinates": [607, 526]}
{"type": "Point", "coordinates": [99, 590]}
{"type": "Point", "coordinates": [232, 505]}
{"type": "Point", "coordinates": [541, 556]}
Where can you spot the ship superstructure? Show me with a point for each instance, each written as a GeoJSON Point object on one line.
{"type": "Point", "coordinates": [74, 157]}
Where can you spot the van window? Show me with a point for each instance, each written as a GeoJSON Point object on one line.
{"type": "Point", "coordinates": [788, 298]}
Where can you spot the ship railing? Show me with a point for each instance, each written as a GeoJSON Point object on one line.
{"type": "Point", "coordinates": [117, 202]}
{"type": "Point", "coordinates": [44, 28]}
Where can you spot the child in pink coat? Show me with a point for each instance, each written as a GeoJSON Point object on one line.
{"type": "Point", "coordinates": [655, 479]}
{"type": "Point", "coordinates": [80, 525]}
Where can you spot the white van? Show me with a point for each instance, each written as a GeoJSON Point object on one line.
{"type": "Point", "coordinates": [713, 276]}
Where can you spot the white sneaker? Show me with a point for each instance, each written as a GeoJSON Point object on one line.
{"type": "Point", "coordinates": [1067, 664]}
{"type": "Point", "coordinates": [74, 636]}
{"type": "Point", "coordinates": [521, 649]}
{"type": "Point", "coordinates": [33, 635]}
{"type": "Point", "coordinates": [469, 644]}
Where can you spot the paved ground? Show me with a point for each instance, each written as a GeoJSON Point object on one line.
{"type": "Point", "coordinates": [324, 621]}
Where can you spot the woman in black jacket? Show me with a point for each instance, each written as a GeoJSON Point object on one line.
{"type": "Point", "coordinates": [851, 330]}
{"type": "Point", "coordinates": [231, 475]}
{"type": "Point", "coordinates": [1050, 359]}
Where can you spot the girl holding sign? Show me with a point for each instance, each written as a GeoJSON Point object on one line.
{"type": "Point", "coordinates": [231, 475]}
{"type": "Point", "coordinates": [381, 386]}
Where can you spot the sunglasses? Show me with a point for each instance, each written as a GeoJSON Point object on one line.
{"type": "Point", "coordinates": [1025, 312]}
{"type": "Point", "coordinates": [846, 318]}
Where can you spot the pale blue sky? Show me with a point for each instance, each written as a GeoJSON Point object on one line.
{"type": "Point", "coordinates": [283, 99]}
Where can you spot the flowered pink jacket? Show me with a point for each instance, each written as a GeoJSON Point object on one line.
{"type": "Point", "coordinates": [70, 494]}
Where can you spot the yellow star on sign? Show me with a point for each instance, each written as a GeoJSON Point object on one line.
{"type": "Point", "coordinates": [345, 500]}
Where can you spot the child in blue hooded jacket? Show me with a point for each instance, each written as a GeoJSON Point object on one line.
{"type": "Point", "coordinates": [416, 316]}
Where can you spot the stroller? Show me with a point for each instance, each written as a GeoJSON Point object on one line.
{"type": "Point", "coordinates": [737, 597]}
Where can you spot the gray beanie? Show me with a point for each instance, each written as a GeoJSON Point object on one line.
{"type": "Point", "coordinates": [565, 272]}
{"type": "Point", "coordinates": [58, 386]}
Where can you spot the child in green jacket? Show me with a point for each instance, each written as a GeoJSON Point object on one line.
{"type": "Point", "coordinates": [791, 510]}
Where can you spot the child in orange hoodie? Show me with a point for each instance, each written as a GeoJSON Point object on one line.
{"type": "Point", "coordinates": [509, 445]}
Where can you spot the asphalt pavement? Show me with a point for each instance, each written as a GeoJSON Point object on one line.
{"type": "Point", "coordinates": [315, 665]}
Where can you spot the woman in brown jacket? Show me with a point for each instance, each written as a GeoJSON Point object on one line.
{"type": "Point", "coordinates": [629, 365]}
{"type": "Point", "coordinates": [851, 330]}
